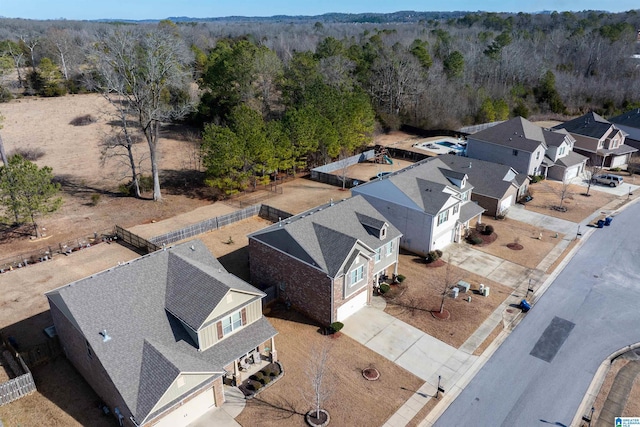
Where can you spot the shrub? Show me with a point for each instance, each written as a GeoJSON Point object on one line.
{"type": "Point", "coordinates": [95, 199]}
{"type": "Point", "coordinates": [433, 256]}
{"type": "Point", "coordinates": [537, 178]}
{"type": "Point", "coordinates": [439, 252]}
{"type": "Point", "coordinates": [85, 120]}
{"type": "Point", "coordinates": [384, 288]}
{"type": "Point", "coordinates": [336, 326]}
{"type": "Point", "coordinates": [488, 230]}
{"type": "Point", "coordinates": [28, 153]}
{"type": "Point", "coordinates": [400, 278]}
{"type": "Point", "coordinates": [616, 169]}
{"type": "Point", "coordinates": [125, 189]}
{"type": "Point", "coordinates": [266, 380]}
{"type": "Point", "coordinates": [146, 183]}
{"type": "Point", "coordinates": [475, 240]}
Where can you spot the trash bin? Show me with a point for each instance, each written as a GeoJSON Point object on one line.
{"type": "Point", "coordinates": [607, 220]}
{"type": "Point", "coordinates": [525, 306]}
{"type": "Point", "coordinates": [600, 223]}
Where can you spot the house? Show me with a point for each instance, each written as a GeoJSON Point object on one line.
{"type": "Point", "coordinates": [156, 336]}
{"type": "Point", "coordinates": [429, 202]}
{"type": "Point", "coordinates": [496, 187]}
{"type": "Point", "coordinates": [325, 262]}
{"type": "Point", "coordinates": [600, 140]}
{"type": "Point", "coordinates": [629, 123]}
{"type": "Point", "coordinates": [528, 149]}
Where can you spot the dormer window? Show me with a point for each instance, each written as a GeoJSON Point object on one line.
{"type": "Point", "coordinates": [383, 233]}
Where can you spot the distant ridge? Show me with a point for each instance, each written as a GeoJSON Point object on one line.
{"type": "Point", "coordinates": [402, 16]}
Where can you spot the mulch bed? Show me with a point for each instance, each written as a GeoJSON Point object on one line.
{"type": "Point", "coordinates": [437, 263]}
{"type": "Point", "coordinates": [371, 374]}
{"type": "Point", "coordinates": [515, 246]}
{"type": "Point", "coordinates": [486, 239]}
{"type": "Point", "coordinates": [441, 316]}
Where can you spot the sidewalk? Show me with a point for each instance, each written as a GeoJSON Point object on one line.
{"type": "Point", "coordinates": [429, 358]}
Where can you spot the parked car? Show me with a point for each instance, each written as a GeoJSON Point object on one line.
{"type": "Point", "coordinates": [608, 179]}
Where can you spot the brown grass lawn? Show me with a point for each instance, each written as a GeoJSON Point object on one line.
{"type": "Point", "coordinates": [546, 195]}
{"type": "Point", "coordinates": [413, 300]}
{"type": "Point", "coordinates": [510, 231]}
{"type": "Point", "coordinates": [353, 401]}
{"type": "Point", "coordinates": [63, 399]}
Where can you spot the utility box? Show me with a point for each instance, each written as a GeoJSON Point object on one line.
{"type": "Point", "coordinates": [454, 292]}
{"type": "Point", "coordinates": [485, 291]}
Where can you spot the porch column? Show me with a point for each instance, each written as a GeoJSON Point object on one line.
{"type": "Point", "coordinates": [236, 371]}
{"type": "Point", "coordinates": [274, 353]}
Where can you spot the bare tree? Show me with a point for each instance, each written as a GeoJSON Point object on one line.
{"type": "Point", "coordinates": [18, 59]}
{"type": "Point", "coordinates": [449, 281]}
{"type": "Point", "coordinates": [592, 169]}
{"type": "Point", "coordinates": [317, 373]}
{"type": "Point", "coordinates": [143, 73]}
{"type": "Point", "coordinates": [30, 42]}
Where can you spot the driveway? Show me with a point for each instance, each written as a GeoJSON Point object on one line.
{"type": "Point", "coordinates": [541, 372]}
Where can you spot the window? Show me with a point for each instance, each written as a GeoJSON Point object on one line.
{"type": "Point", "coordinates": [357, 275]}
{"type": "Point", "coordinates": [378, 255]}
{"type": "Point", "coordinates": [390, 248]}
{"type": "Point", "coordinates": [231, 323]}
{"type": "Point", "coordinates": [455, 209]}
{"type": "Point", "coordinates": [537, 155]}
{"type": "Point", "coordinates": [465, 196]}
{"type": "Point", "coordinates": [383, 233]}
{"type": "Point", "coordinates": [443, 217]}
{"type": "Point", "coordinates": [515, 152]}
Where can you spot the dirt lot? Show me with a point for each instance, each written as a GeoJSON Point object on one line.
{"type": "Point", "coordinates": [353, 400]}
{"type": "Point", "coordinates": [546, 196]}
{"type": "Point", "coordinates": [420, 294]}
{"type": "Point", "coordinates": [509, 231]}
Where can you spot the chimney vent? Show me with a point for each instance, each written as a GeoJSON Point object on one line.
{"type": "Point", "coordinates": [104, 335]}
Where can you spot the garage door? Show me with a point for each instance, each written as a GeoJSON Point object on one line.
{"type": "Point", "coordinates": [353, 305]}
{"type": "Point", "coordinates": [618, 161]}
{"type": "Point", "coordinates": [572, 173]}
{"type": "Point", "coordinates": [505, 204]}
{"type": "Point", "coordinates": [189, 412]}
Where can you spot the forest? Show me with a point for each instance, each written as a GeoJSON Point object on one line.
{"type": "Point", "coordinates": [285, 94]}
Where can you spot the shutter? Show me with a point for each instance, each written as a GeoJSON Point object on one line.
{"type": "Point", "coordinates": [243, 313]}
{"type": "Point", "coordinates": [219, 326]}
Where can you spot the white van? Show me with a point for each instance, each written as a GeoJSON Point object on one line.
{"type": "Point", "coordinates": [608, 179]}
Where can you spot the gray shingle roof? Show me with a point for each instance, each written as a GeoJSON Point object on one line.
{"type": "Point", "coordinates": [326, 236]}
{"type": "Point", "coordinates": [518, 133]}
{"type": "Point", "coordinates": [571, 159]}
{"type": "Point", "coordinates": [590, 125]}
{"type": "Point", "coordinates": [489, 179]}
{"type": "Point", "coordinates": [630, 118]}
{"type": "Point", "coordinates": [470, 210]}
{"type": "Point", "coordinates": [148, 345]}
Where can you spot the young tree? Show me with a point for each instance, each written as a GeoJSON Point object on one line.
{"type": "Point", "coordinates": [449, 280]}
{"type": "Point", "coordinates": [145, 70]}
{"type": "Point", "coordinates": [592, 169]}
{"type": "Point", "coordinates": [28, 192]}
{"type": "Point", "coordinates": [317, 373]}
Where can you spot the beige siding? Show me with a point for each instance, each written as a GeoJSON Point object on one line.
{"type": "Point", "coordinates": [233, 301]}
{"type": "Point", "coordinates": [254, 311]}
{"type": "Point", "coordinates": [208, 335]}
{"type": "Point", "coordinates": [191, 381]}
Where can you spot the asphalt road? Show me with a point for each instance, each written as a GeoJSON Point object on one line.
{"type": "Point", "coordinates": [542, 371]}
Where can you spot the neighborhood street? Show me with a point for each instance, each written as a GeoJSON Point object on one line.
{"type": "Point", "coordinates": [542, 371]}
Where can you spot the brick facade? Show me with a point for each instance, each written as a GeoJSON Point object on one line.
{"type": "Point", "coordinates": [305, 287]}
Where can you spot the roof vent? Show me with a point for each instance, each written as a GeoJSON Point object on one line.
{"type": "Point", "coordinates": [469, 165]}
{"type": "Point", "coordinates": [219, 270]}
{"type": "Point", "coordinates": [193, 248]}
{"type": "Point", "coordinates": [279, 221]}
{"type": "Point", "coordinates": [104, 335]}
{"type": "Point", "coordinates": [330, 202]}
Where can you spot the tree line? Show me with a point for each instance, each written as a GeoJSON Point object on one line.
{"type": "Point", "coordinates": [283, 96]}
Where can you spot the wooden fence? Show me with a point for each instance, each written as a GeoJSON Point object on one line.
{"type": "Point", "coordinates": [20, 386]}
{"type": "Point", "coordinates": [273, 214]}
{"type": "Point", "coordinates": [136, 241]}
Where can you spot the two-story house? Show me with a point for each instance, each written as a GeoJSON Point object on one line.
{"type": "Point", "coordinates": [600, 140]}
{"type": "Point", "coordinates": [325, 262]}
{"type": "Point", "coordinates": [155, 337]}
{"type": "Point", "coordinates": [496, 187]}
{"type": "Point", "coordinates": [629, 123]}
{"type": "Point", "coordinates": [528, 149]}
{"type": "Point", "coordinates": [429, 202]}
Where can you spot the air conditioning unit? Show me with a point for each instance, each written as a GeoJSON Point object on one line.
{"type": "Point", "coordinates": [485, 291]}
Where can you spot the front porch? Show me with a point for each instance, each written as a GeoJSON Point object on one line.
{"type": "Point", "coordinates": [250, 363]}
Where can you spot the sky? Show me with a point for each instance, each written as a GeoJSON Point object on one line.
{"type": "Point", "coordinates": [160, 9]}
